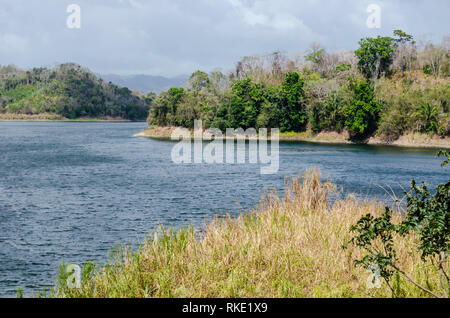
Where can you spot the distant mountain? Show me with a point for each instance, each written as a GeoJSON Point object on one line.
{"type": "Point", "coordinates": [145, 83]}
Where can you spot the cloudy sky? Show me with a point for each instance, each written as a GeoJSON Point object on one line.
{"type": "Point", "coordinates": [172, 37]}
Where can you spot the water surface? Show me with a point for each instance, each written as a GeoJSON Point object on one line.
{"type": "Point", "coordinates": [73, 191]}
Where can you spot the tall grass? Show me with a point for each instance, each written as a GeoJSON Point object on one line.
{"type": "Point", "coordinates": [286, 247]}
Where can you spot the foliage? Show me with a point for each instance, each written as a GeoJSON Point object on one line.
{"type": "Point", "coordinates": [70, 91]}
{"type": "Point", "coordinates": [428, 115]}
{"type": "Point", "coordinates": [247, 104]}
{"type": "Point", "coordinates": [343, 67]}
{"type": "Point", "coordinates": [402, 37]}
{"type": "Point", "coordinates": [404, 107]}
{"type": "Point", "coordinates": [444, 153]}
{"type": "Point", "coordinates": [369, 230]}
{"type": "Point", "coordinates": [316, 56]}
{"type": "Point", "coordinates": [322, 92]}
{"type": "Point", "coordinates": [427, 218]}
{"type": "Point", "coordinates": [375, 56]}
{"type": "Point", "coordinates": [328, 115]}
{"type": "Point", "coordinates": [199, 80]}
{"type": "Point", "coordinates": [292, 107]}
{"type": "Point", "coordinates": [363, 112]}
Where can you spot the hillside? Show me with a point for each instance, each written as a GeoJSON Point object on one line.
{"type": "Point", "coordinates": [66, 91]}
{"type": "Point", "coordinates": [390, 87]}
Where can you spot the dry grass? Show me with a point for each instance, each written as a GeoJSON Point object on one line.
{"type": "Point", "coordinates": [414, 139]}
{"type": "Point", "coordinates": [35, 117]}
{"type": "Point", "coordinates": [290, 247]}
{"type": "Point", "coordinates": [157, 132]}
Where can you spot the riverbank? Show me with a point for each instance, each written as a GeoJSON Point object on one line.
{"type": "Point", "coordinates": [50, 117]}
{"type": "Point", "coordinates": [287, 247]}
{"type": "Point", "coordinates": [407, 140]}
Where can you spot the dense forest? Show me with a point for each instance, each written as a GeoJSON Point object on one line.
{"type": "Point", "coordinates": [389, 86]}
{"type": "Point", "coordinates": [67, 90]}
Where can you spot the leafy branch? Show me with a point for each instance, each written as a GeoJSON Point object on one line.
{"type": "Point", "coordinates": [428, 217]}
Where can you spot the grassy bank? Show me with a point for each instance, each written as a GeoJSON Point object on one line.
{"type": "Point", "coordinates": [36, 117]}
{"type": "Point", "coordinates": [406, 140]}
{"type": "Point", "coordinates": [55, 117]}
{"type": "Point", "coordinates": [286, 247]}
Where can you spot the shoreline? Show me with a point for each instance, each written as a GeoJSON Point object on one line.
{"type": "Point", "coordinates": [410, 140]}
{"type": "Point", "coordinates": [52, 117]}
{"type": "Point", "coordinates": [66, 120]}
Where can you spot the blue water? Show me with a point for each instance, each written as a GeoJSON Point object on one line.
{"type": "Point", "coordinates": [72, 191]}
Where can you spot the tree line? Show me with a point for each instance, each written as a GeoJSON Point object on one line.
{"type": "Point", "coordinates": [388, 86]}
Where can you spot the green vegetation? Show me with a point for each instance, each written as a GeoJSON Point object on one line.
{"type": "Point", "coordinates": [380, 89]}
{"type": "Point", "coordinates": [287, 247]}
{"type": "Point", "coordinates": [67, 91]}
{"type": "Point", "coordinates": [428, 218]}
{"type": "Point", "coordinates": [375, 56]}
{"type": "Point", "coordinates": [362, 113]}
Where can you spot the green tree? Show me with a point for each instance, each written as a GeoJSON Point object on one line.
{"type": "Point", "coordinates": [159, 110]}
{"type": "Point", "coordinates": [245, 103]}
{"type": "Point", "coordinates": [174, 96]}
{"type": "Point", "coordinates": [199, 80]}
{"type": "Point", "coordinates": [428, 117]}
{"type": "Point", "coordinates": [363, 113]}
{"type": "Point", "coordinates": [375, 56]}
{"type": "Point", "coordinates": [402, 37]}
{"type": "Point", "coordinates": [328, 115]}
{"type": "Point", "coordinates": [269, 116]}
{"type": "Point", "coordinates": [294, 116]}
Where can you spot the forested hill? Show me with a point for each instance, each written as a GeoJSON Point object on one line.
{"type": "Point", "coordinates": [388, 87]}
{"type": "Point", "coordinates": [69, 91]}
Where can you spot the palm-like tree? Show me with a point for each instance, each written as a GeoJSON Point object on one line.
{"type": "Point", "coordinates": [428, 115]}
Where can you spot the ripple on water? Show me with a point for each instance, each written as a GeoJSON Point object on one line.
{"type": "Point", "coordinates": [72, 191]}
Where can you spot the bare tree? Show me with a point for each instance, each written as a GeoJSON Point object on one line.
{"type": "Point", "coordinates": [316, 55]}
{"type": "Point", "coordinates": [278, 61]}
{"type": "Point", "coordinates": [405, 56]}
{"type": "Point", "coordinates": [435, 56]}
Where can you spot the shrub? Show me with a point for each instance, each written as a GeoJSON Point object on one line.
{"type": "Point", "coordinates": [427, 218]}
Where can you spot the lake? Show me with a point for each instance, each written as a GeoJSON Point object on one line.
{"type": "Point", "coordinates": [72, 191]}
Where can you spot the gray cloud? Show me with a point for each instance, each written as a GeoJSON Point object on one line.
{"type": "Point", "coordinates": [179, 36]}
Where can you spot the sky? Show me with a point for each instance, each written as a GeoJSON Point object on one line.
{"type": "Point", "coordinates": [174, 37]}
